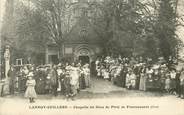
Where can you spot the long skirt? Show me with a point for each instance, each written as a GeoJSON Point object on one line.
{"type": "Point", "coordinates": [82, 84]}
{"type": "Point", "coordinates": [142, 85]}
{"type": "Point", "coordinates": [48, 85]}
{"type": "Point", "coordinates": [124, 79]}
{"type": "Point", "coordinates": [167, 84]}
{"type": "Point", "coordinates": [67, 86]}
{"type": "Point", "coordinates": [12, 86]}
{"type": "Point", "coordinates": [133, 83]}
{"type": "Point", "coordinates": [22, 84]}
{"type": "Point", "coordinates": [182, 89]}
{"type": "Point", "coordinates": [119, 81]}
{"type": "Point", "coordinates": [30, 92]}
{"type": "Point", "coordinates": [173, 84]}
{"type": "Point", "coordinates": [87, 80]}
{"type": "Point", "coordinates": [62, 86]}
{"type": "Point", "coordinates": [162, 82]}
{"type": "Point", "coordinates": [74, 89]}
{"type": "Point", "coordinates": [137, 82]}
{"type": "Point", "coordinates": [40, 86]}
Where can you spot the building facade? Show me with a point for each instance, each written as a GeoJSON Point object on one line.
{"type": "Point", "coordinates": [82, 43]}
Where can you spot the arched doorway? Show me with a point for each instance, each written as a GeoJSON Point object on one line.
{"type": "Point", "coordinates": [84, 54]}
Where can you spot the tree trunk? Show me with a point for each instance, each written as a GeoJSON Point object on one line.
{"type": "Point", "coordinates": [60, 52]}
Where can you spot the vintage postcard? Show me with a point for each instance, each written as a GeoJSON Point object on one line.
{"type": "Point", "coordinates": [87, 57]}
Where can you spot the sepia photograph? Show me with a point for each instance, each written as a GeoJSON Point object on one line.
{"type": "Point", "coordinates": [86, 57]}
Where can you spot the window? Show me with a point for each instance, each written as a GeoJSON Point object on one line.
{"type": "Point", "coordinates": [19, 61]}
{"type": "Point", "coordinates": [68, 50]}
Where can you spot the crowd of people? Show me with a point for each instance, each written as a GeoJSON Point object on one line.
{"type": "Point", "coordinates": [142, 73]}
{"type": "Point", "coordinates": [69, 78]}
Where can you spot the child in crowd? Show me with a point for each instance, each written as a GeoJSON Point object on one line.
{"type": "Point", "coordinates": [133, 80]}
{"type": "Point", "coordinates": [167, 83]}
{"type": "Point", "coordinates": [30, 91]}
{"type": "Point", "coordinates": [103, 71]}
{"type": "Point", "coordinates": [98, 72]}
{"type": "Point", "coordinates": [130, 80]}
{"type": "Point", "coordinates": [106, 74]}
{"type": "Point", "coordinates": [128, 83]}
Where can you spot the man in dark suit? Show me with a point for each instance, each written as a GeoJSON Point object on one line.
{"type": "Point", "coordinates": [12, 78]}
{"type": "Point", "coordinates": [54, 80]}
{"type": "Point", "coordinates": [178, 87]}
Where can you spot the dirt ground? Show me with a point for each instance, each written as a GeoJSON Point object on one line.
{"type": "Point", "coordinates": [102, 98]}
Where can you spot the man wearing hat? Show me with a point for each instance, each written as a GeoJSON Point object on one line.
{"type": "Point", "coordinates": [12, 78]}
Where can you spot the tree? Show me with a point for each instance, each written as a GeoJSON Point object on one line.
{"type": "Point", "coordinates": [165, 28]}
{"type": "Point", "coordinates": [7, 31]}
{"type": "Point", "coordinates": [127, 24]}
{"type": "Point", "coordinates": [44, 20]}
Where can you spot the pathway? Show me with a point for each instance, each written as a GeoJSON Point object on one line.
{"type": "Point", "coordinates": [102, 86]}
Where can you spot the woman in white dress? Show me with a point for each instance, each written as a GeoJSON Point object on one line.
{"type": "Point", "coordinates": [86, 71]}
{"type": "Point", "coordinates": [142, 85]}
{"type": "Point", "coordinates": [74, 82]}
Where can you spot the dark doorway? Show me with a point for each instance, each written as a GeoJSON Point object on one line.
{"type": "Point", "coordinates": [40, 59]}
{"type": "Point", "coordinates": [54, 59]}
{"type": "Point", "coordinates": [84, 59]}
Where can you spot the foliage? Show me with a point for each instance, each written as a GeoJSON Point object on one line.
{"type": "Point", "coordinates": [165, 29]}
{"type": "Point", "coordinates": [126, 24]}
{"type": "Point", "coordinates": [133, 26]}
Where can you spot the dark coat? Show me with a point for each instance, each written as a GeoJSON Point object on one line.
{"type": "Point", "coordinates": [12, 76]}
{"type": "Point", "coordinates": [54, 77]}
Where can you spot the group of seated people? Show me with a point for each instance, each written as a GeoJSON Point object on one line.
{"type": "Point", "coordinates": [142, 74]}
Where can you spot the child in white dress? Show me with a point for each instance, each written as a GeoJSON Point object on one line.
{"type": "Point", "coordinates": [30, 91]}
{"type": "Point", "coordinates": [106, 74]}
{"type": "Point", "coordinates": [167, 83]}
